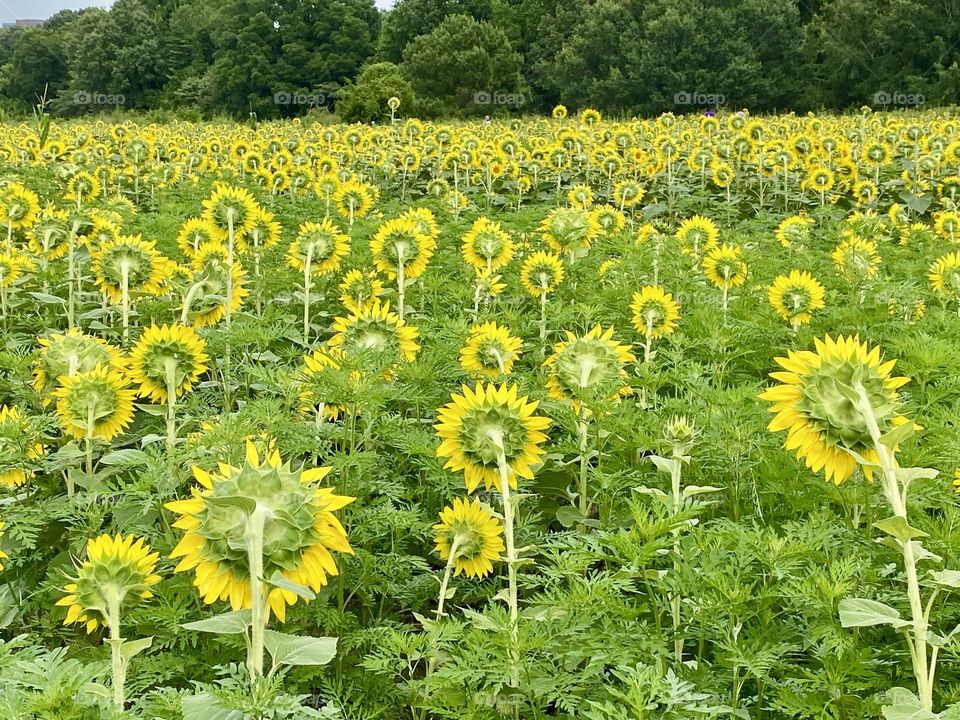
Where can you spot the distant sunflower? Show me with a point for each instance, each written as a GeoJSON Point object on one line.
{"type": "Point", "coordinates": [569, 230]}
{"type": "Point", "coordinates": [194, 233]}
{"type": "Point", "coordinates": [401, 241]}
{"type": "Point", "coordinates": [697, 235]}
{"type": "Point", "coordinates": [541, 273]}
{"type": "Point", "coordinates": [207, 290]}
{"type": "Point", "coordinates": [724, 266]}
{"type": "Point", "coordinates": [359, 288]}
{"type": "Point", "coordinates": [164, 354]}
{"type": "Point", "coordinates": [486, 246]}
{"type": "Point", "coordinates": [376, 331]}
{"type": "Point", "coordinates": [99, 399]}
{"type": "Point", "coordinates": [481, 424]}
{"type": "Point", "coordinates": [67, 354]}
{"type": "Point", "coordinates": [856, 259]}
{"type": "Point", "coordinates": [796, 296]}
{"type": "Point", "coordinates": [589, 368]}
{"type": "Point", "coordinates": [655, 312]}
{"type": "Point", "coordinates": [322, 244]}
{"type": "Point", "coordinates": [130, 257]}
{"type": "Point", "coordinates": [490, 351]}
{"type": "Point", "coordinates": [944, 276]}
{"type": "Point", "coordinates": [472, 534]}
{"type": "Point", "coordinates": [812, 403]}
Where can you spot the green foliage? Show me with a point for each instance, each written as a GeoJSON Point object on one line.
{"type": "Point", "coordinates": [366, 99]}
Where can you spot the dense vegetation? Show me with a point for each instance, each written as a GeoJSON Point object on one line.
{"type": "Point", "coordinates": [471, 421]}
{"type": "Point", "coordinates": [486, 57]}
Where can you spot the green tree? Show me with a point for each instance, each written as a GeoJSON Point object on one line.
{"type": "Point", "coordinates": [466, 65]}
{"type": "Point", "coordinates": [409, 19]}
{"type": "Point", "coordinates": [36, 63]}
{"type": "Point", "coordinates": [366, 99]}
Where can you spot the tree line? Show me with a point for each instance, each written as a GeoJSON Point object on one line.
{"type": "Point", "coordinates": [442, 58]}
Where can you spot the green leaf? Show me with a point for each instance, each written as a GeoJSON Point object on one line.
{"type": "Point", "coordinates": [692, 490]}
{"type": "Point", "coordinates": [278, 580]}
{"type": "Point", "coordinates": [246, 504]}
{"type": "Point", "coordinates": [664, 465]}
{"type": "Point", "coordinates": [898, 435]}
{"type": "Point", "coordinates": [127, 457]}
{"type": "Point", "coordinates": [899, 528]}
{"type": "Point", "coordinates": [299, 650]}
{"type": "Point", "coordinates": [947, 578]}
{"type": "Point", "coordinates": [204, 706]}
{"type": "Point", "coordinates": [47, 299]}
{"type": "Point", "coordinates": [155, 410]}
{"type": "Point", "coordinates": [132, 648]}
{"type": "Point", "coordinates": [861, 612]}
{"type": "Point", "coordinates": [231, 623]}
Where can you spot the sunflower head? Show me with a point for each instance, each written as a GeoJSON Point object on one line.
{"type": "Point", "coordinates": [230, 207]}
{"type": "Point", "coordinates": [401, 240]}
{"type": "Point", "coordinates": [131, 259]}
{"type": "Point", "coordinates": [569, 230]}
{"type": "Point", "coordinates": [724, 266]}
{"type": "Point", "coordinates": [165, 357]}
{"type": "Point", "coordinates": [68, 354]}
{"type": "Point", "coordinates": [484, 424]}
{"type": "Point", "coordinates": [589, 369]}
{"type": "Point", "coordinates": [472, 534]}
{"type": "Point", "coordinates": [97, 403]}
{"type": "Point", "coordinates": [490, 351]}
{"type": "Point", "coordinates": [819, 402]}
{"type": "Point", "coordinates": [486, 246]}
{"type": "Point", "coordinates": [293, 515]}
{"type": "Point", "coordinates": [116, 576]}
{"type": "Point", "coordinates": [541, 273]}
{"type": "Point", "coordinates": [376, 333]}
{"type": "Point", "coordinates": [358, 288]}
{"type": "Point", "coordinates": [322, 243]}
{"type": "Point", "coordinates": [796, 296]}
{"type": "Point", "coordinates": [655, 313]}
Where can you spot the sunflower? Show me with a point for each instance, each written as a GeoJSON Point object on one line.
{"type": "Point", "coordinates": [541, 273]}
{"type": "Point", "coordinates": [70, 353]}
{"type": "Point", "coordinates": [655, 312]}
{"type": "Point", "coordinates": [490, 351]}
{"type": "Point", "coordinates": [205, 301]}
{"type": "Point", "coordinates": [134, 260]}
{"type": "Point", "coordinates": [589, 368]}
{"type": "Point", "coordinates": [816, 404]}
{"type": "Point", "coordinates": [230, 208]}
{"type": "Point", "coordinates": [796, 296]}
{"type": "Point", "coordinates": [19, 447]}
{"type": "Point", "coordinates": [401, 241]}
{"type": "Point", "coordinates": [559, 112]}
{"type": "Point", "coordinates": [947, 225]}
{"type": "Point", "coordinates": [944, 276]}
{"type": "Point", "coordinates": [481, 425]}
{"type": "Point", "coordinates": [358, 288]}
{"type": "Point", "coordinates": [472, 535]}
{"type": "Point", "coordinates": [96, 403]}
{"type": "Point", "coordinates": [354, 199]}
{"type": "Point", "coordinates": [321, 244]}
{"type": "Point", "coordinates": [486, 246]}
{"type": "Point", "coordinates": [627, 193]}
{"type": "Point", "coordinates": [194, 233]}
{"type": "Point", "coordinates": [49, 237]}
{"type": "Point", "coordinates": [19, 206]}
{"type": "Point", "coordinates": [315, 366]}
{"type": "Point", "coordinates": [580, 197]}
{"type": "Point", "coordinates": [724, 266]}
{"type": "Point", "coordinates": [298, 531]}
{"type": "Point", "coordinates": [12, 266]}
{"type": "Point", "coordinates": [377, 332]}
{"type": "Point", "coordinates": [164, 357]}
{"type": "Point", "coordinates": [569, 230]}
{"type": "Point", "coordinates": [856, 259]}
{"type": "Point", "coordinates": [794, 230]}
{"type": "Point", "coordinates": [82, 185]}
{"type": "Point", "coordinates": [264, 230]}
{"type": "Point", "coordinates": [116, 576]}
{"type": "Point", "coordinates": [697, 235]}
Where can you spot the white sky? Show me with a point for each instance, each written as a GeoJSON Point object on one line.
{"type": "Point", "coordinates": [11, 10]}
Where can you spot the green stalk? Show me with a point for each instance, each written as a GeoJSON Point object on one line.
{"type": "Point", "coordinates": [896, 496]}
{"type": "Point", "coordinates": [118, 668]}
{"type": "Point", "coordinates": [170, 370]}
{"type": "Point", "coordinates": [512, 560]}
{"type": "Point", "coordinates": [307, 286]}
{"type": "Point", "coordinates": [258, 596]}
{"type": "Point", "coordinates": [583, 430]}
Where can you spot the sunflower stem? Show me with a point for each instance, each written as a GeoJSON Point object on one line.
{"type": "Point", "coordinates": [258, 599]}
{"type": "Point", "coordinates": [401, 281]}
{"type": "Point", "coordinates": [170, 370]}
{"type": "Point", "coordinates": [508, 520]}
{"type": "Point", "coordinates": [896, 497]}
{"type": "Point", "coordinates": [118, 666]}
{"type": "Point", "coordinates": [307, 286]}
{"type": "Point", "coordinates": [125, 299]}
{"type": "Point", "coordinates": [451, 561]}
{"type": "Point", "coordinates": [583, 431]}
{"type": "Point", "coordinates": [88, 437]}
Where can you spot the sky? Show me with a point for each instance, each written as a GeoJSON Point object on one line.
{"type": "Point", "coordinates": [11, 10]}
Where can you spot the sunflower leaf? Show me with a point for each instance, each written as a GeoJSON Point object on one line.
{"type": "Point", "coordinates": [898, 435]}
{"type": "Point", "coordinates": [299, 650]}
{"type": "Point", "coordinates": [231, 623]}
{"type": "Point", "coordinates": [279, 581]}
{"type": "Point", "coordinates": [861, 612]}
{"type": "Point", "coordinates": [899, 528]}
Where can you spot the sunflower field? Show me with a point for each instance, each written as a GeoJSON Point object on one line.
{"type": "Point", "coordinates": [554, 418]}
